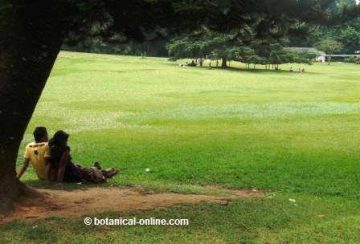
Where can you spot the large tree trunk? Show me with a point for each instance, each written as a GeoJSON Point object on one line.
{"type": "Point", "coordinates": [30, 39]}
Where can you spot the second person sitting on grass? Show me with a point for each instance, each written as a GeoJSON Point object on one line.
{"type": "Point", "coordinates": [61, 168]}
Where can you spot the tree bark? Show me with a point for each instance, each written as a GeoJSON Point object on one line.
{"type": "Point", "coordinates": [31, 35]}
{"type": "Point", "coordinates": [201, 62]}
{"type": "Point", "coordinates": [223, 63]}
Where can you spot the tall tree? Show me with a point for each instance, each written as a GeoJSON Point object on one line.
{"type": "Point", "coordinates": [30, 38]}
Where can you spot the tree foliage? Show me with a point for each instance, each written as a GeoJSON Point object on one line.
{"type": "Point", "coordinates": [235, 46]}
{"type": "Point", "coordinates": [329, 46]}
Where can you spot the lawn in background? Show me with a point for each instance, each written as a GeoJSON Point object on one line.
{"type": "Point", "coordinates": [293, 134]}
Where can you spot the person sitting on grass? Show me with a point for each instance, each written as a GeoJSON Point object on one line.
{"type": "Point", "coordinates": [61, 168]}
{"type": "Point", "coordinates": [35, 152]}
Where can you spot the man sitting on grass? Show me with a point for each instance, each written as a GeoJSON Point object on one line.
{"type": "Point", "coordinates": [35, 153]}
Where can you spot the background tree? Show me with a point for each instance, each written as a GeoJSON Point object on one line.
{"type": "Point", "coordinates": [205, 43]}
{"type": "Point", "coordinates": [342, 29]}
{"type": "Point", "coordinates": [349, 37]}
{"type": "Point", "coordinates": [329, 47]}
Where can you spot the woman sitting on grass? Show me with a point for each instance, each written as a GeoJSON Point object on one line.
{"type": "Point", "coordinates": [60, 167]}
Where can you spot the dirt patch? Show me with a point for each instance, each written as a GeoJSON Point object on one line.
{"type": "Point", "coordinates": [90, 201]}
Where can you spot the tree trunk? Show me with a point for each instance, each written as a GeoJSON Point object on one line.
{"type": "Point", "coordinates": [8, 184]}
{"type": "Point", "coordinates": [223, 63]}
{"type": "Point", "coordinates": [31, 35]}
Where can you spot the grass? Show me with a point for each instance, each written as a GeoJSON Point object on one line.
{"type": "Point", "coordinates": [286, 132]}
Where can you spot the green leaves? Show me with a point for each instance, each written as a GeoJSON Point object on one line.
{"type": "Point", "coordinates": [329, 46]}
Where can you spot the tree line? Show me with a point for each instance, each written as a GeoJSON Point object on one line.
{"type": "Point", "coordinates": [246, 43]}
{"type": "Point", "coordinates": [238, 46]}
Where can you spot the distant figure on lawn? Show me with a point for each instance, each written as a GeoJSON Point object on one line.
{"type": "Point", "coordinates": [192, 64]}
{"type": "Point", "coordinates": [61, 168]}
{"type": "Point", "coordinates": [35, 154]}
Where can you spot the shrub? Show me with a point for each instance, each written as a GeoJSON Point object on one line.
{"type": "Point", "coordinates": [354, 60]}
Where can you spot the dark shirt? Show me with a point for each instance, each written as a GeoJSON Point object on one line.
{"type": "Point", "coordinates": [72, 172]}
{"type": "Point", "coordinates": [56, 153]}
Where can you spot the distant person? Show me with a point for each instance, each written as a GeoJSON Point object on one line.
{"type": "Point", "coordinates": [192, 64]}
{"type": "Point", "coordinates": [35, 154]}
{"type": "Point", "coordinates": [291, 69]}
{"type": "Point", "coordinates": [61, 168]}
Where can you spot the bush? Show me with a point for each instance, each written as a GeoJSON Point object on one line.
{"type": "Point", "coordinates": [354, 60]}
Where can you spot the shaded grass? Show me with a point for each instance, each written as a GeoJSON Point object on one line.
{"type": "Point", "coordinates": [270, 220]}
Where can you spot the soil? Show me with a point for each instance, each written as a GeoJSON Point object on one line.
{"type": "Point", "coordinates": [89, 201]}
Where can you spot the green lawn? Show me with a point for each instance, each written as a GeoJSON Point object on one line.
{"type": "Point", "coordinates": [293, 134]}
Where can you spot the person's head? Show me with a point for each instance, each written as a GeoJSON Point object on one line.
{"type": "Point", "coordinates": [40, 134]}
{"type": "Point", "coordinates": [60, 138]}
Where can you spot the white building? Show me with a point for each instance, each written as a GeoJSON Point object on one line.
{"type": "Point", "coordinates": [320, 56]}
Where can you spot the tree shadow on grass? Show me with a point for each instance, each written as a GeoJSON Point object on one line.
{"type": "Point", "coordinates": [261, 71]}
{"type": "Point", "coordinates": [251, 70]}
{"type": "Point", "coordinates": [65, 186]}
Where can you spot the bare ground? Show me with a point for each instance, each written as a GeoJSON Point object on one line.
{"type": "Point", "coordinates": [79, 202]}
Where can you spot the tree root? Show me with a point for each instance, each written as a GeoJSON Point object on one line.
{"type": "Point", "coordinates": [23, 191]}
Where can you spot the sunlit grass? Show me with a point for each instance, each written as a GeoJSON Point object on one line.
{"type": "Point", "coordinates": [287, 132]}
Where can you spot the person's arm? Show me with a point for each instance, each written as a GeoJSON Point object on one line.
{"type": "Point", "coordinates": [49, 171]}
{"type": "Point", "coordinates": [48, 175]}
{"type": "Point", "coordinates": [23, 168]}
{"type": "Point", "coordinates": [62, 165]}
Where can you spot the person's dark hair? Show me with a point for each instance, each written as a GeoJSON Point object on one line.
{"type": "Point", "coordinates": [59, 138]}
{"type": "Point", "coordinates": [39, 133]}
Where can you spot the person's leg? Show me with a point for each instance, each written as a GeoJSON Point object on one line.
{"type": "Point", "coordinates": [100, 177]}
{"type": "Point", "coordinates": [73, 173]}
{"type": "Point", "coordinates": [53, 174]}
{"type": "Point", "coordinates": [110, 172]}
